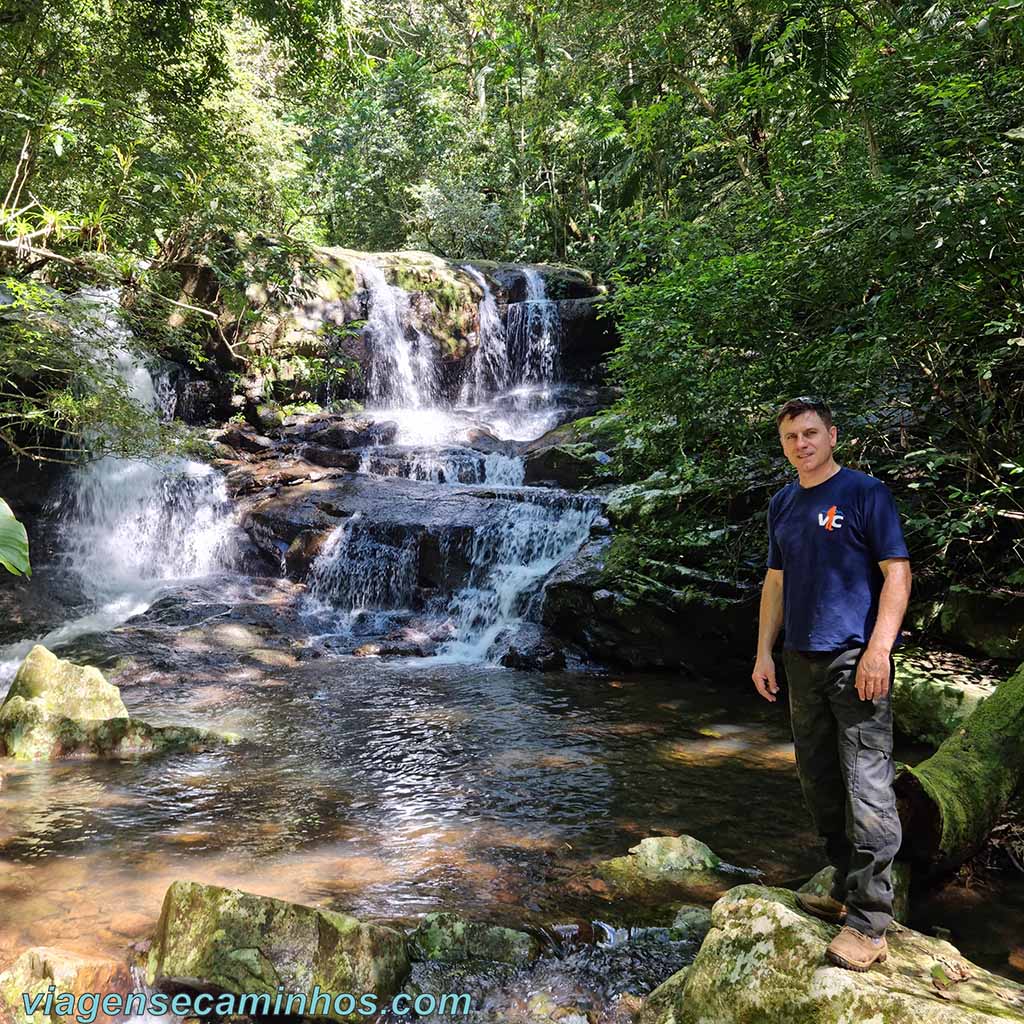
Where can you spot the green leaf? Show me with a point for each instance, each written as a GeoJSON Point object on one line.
{"type": "Point", "coordinates": [13, 543]}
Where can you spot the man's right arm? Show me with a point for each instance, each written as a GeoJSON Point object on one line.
{"type": "Point", "coordinates": [769, 624]}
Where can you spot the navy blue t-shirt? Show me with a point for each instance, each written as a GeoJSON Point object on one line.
{"type": "Point", "coordinates": [828, 540]}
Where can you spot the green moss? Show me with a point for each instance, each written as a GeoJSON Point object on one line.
{"type": "Point", "coordinates": [973, 775]}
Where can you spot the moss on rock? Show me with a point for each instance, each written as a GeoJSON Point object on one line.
{"type": "Point", "coordinates": [58, 709]}
{"type": "Point", "coordinates": [226, 940]}
{"type": "Point", "coordinates": [763, 963]}
{"type": "Point", "coordinates": [933, 692]}
{"type": "Point", "coordinates": [449, 938]}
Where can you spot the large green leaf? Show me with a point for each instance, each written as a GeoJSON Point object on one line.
{"type": "Point", "coordinates": [13, 543]}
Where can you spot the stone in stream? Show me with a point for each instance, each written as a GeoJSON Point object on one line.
{"type": "Point", "coordinates": [36, 970]}
{"type": "Point", "coordinates": [227, 941]}
{"type": "Point", "coordinates": [57, 709]}
{"type": "Point", "coordinates": [449, 938]}
{"type": "Point", "coordinates": [763, 961]}
{"type": "Point", "coordinates": [667, 861]}
{"type": "Point", "coordinates": [528, 646]}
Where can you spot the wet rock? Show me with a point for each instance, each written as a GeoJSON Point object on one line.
{"type": "Point", "coordinates": [934, 691]}
{"type": "Point", "coordinates": [322, 455]}
{"type": "Point", "coordinates": [821, 885]}
{"type": "Point", "coordinates": [763, 960]}
{"type": "Point", "coordinates": [530, 647]}
{"type": "Point", "coordinates": [659, 857]}
{"type": "Point", "coordinates": [244, 440]}
{"type": "Point", "coordinates": [480, 439]}
{"type": "Point", "coordinates": [585, 338]}
{"type": "Point", "coordinates": [272, 473]}
{"type": "Point", "coordinates": [36, 970]}
{"type": "Point", "coordinates": [226, 940]}
{"type": "Point", "coordinates": [623, 616]}
{"type": "Point", "coordinates": [449, 938]}
{"type": "Point", "coordinates": [435, 521]}
{"type": "Point", "coordinates": [57, 709]}
{"type": "Point", "coordinates": [571, 466]}
{"type": "Point", "coordinates": [356, 432]}
{"type": "Point", "coordinates": [990, 622]}
{"type": "Point", "coordinates": [268, 416]}
{"type": "Point", "coordinates": [691, 922]}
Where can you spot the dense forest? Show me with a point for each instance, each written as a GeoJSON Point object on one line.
{"type": "Point", "coordinates": [784, 198]}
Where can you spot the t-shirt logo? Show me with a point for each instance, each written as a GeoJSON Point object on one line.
{"type": "Point", "coordinates": [831, 519]}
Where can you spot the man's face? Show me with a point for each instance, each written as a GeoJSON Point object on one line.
{"type": "Point", "coordinates": [807, 442]}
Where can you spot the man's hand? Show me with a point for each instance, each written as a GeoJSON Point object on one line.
{"type": "Point", "coordinates": [764, 677]}
{"type": "Point", "coordinates": [873, 674]}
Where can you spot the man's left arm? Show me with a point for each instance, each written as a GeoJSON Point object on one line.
{"type": "Point", "coordinates": [873, 667]}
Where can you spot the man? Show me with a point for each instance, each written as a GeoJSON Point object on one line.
{"type": "Point", "coordinates": [838, 579]}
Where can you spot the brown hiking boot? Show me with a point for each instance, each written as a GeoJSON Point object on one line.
{"type": "Point", "coordinates": [856, 951]}
{"type": "Point", "coordinates": [824, 907]}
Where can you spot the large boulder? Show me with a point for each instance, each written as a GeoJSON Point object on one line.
{"type": "Point", "coordinates": [57, 709]}
{"type": "Point", "coordinates": [763, 963]}
{"type": "Point", "coordinates": [226, 941]}
{"type": "Point", "coordinates": [38, 971]}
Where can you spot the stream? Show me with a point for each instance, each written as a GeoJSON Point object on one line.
{"type": "Point", "coordinates": [387, 788]}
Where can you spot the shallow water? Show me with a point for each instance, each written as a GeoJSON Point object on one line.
{"type": "Point", "coordinates": [386, 789]}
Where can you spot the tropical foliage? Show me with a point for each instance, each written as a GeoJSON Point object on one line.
{"type": "Point", "coordinates": [788, 197]}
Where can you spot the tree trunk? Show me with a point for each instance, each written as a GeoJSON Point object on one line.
{"type": "Point", "coordinates": [950, 802]}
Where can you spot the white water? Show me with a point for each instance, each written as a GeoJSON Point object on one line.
{"type": "Point", "coordinates": [364, 571]}
{"type": "Point", "coordinates": [400, 375]}
{"type": "Point", "coordinates": [510, 558]}
{"type": "Point", "coordinates": [491, 372]}
{"type": "Point", "coordinates": [128, 528]}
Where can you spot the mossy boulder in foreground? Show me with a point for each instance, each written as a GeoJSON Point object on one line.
{"type": "Point", "coordinates": [58, 709]}
{"type": "Point", "coordinates": [224, 940]}
{"type": "Point", "coordinates": [763, 963]}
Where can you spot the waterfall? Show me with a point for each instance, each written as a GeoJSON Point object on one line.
{"type": "Point", "coordinates": [444, 466]}
{"type": "Point", "coordinates": [128, 527]}
{"type": "Point", "coordinates": [358, 571]}
{"type": "Point", "coordinates": [490, 371]}
{"type": "Point", "coordinates": [533, 330]}
{"type": "Point", "coordinates": [510, 558]}
{"type": "Point", "coordinates": [400, 375]}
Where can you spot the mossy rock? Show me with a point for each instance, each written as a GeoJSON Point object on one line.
{"type": "Point", "coordinates": [763, 963]}
{"type": "Point", "coordinates": [666, 860]}
{"type": "Point", "coordinates": [934, 691]}
{"type": "Point", "coordinates": [448, 938]}
{"type": "Point", "coordinates": [58, 709]}
{"type": "Point", "coordinates": [226, 940]}
{"type": "Point", "coordinates": [691, 923]}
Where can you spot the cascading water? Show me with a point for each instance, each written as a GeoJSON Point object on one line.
{"type": "Point", "coordinates": [370, 566]}
{"type": "Point", "coordinates": [533, 334]}
{"type": "Point", "coordinates": [491, 372]}
{"type": "Point", "coordinates": [510, 558]}
{"type": "Point", "coordinates": [401, 375]}
{"type": "Point", "coordinates": [129, 527]}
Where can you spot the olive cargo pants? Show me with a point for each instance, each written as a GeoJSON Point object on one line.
{"type": "Point", "coordinates": [844, 760]}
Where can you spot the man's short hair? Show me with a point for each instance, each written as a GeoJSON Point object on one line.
{"type": "Point", "coordinates": [805, 403]}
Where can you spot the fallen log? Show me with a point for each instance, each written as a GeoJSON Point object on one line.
{"type": "Point", "coordinates": [951, 801]}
